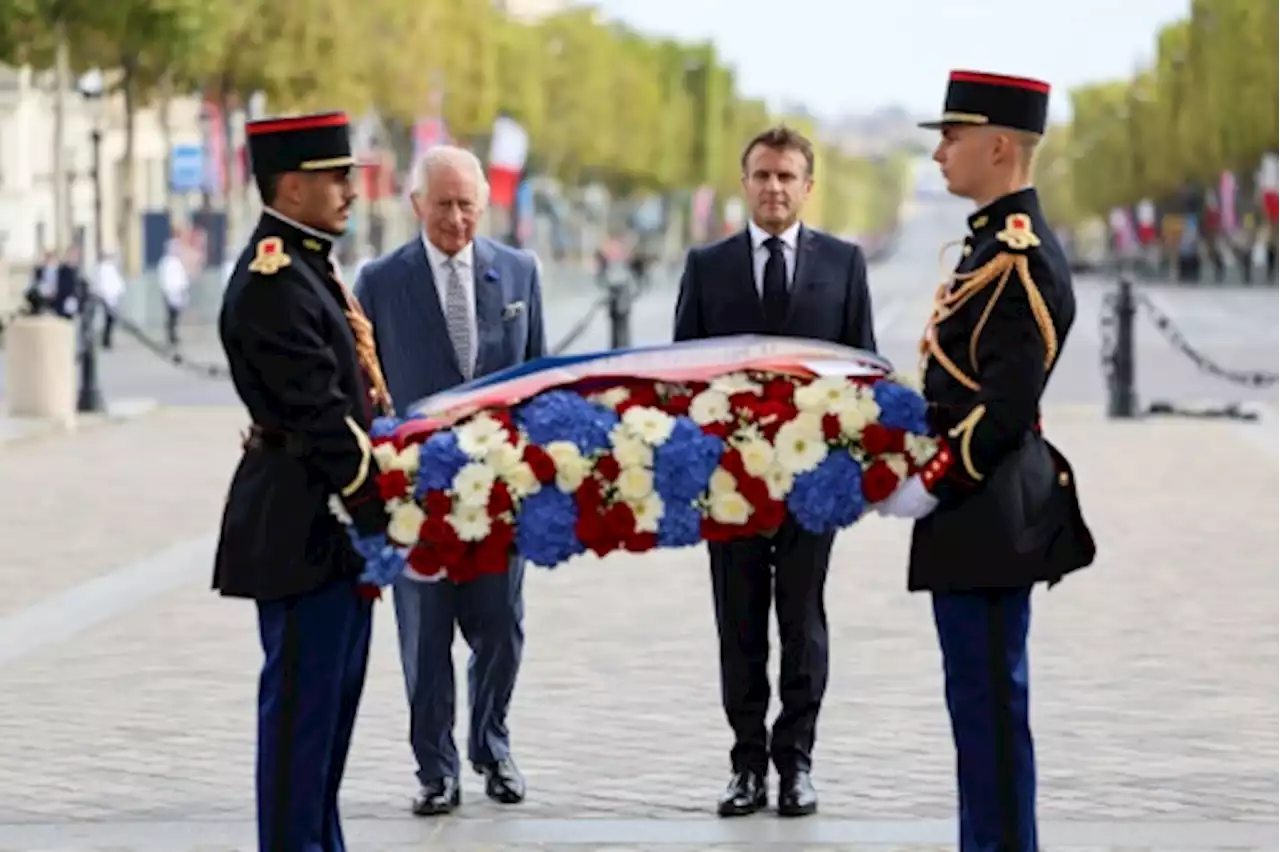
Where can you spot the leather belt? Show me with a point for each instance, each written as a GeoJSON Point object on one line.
{"type": "Point", "coordinates": [262, 438]}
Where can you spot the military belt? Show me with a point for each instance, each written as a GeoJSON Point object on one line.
{"type": "Point", "coordinates": [268, 438]}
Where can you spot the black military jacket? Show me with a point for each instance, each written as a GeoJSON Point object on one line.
{"type": "Point", "coordinates": [1009, 515]}
{"type": "Point", "coordinates": [293, 359]}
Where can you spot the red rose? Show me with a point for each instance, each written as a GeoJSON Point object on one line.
{"type": "Point", "coordinates": [589, 496]}
{"type": "Point", "coordinates": [619, 521]}
{"type": "Point", "coordinates": [716, 531]}
{"type": "Point", "coordinates": [465, 568]}
{"type": "Point", "coordinates": [640, 542]}
{"type": "Point", "coordinates": [678, 406]}
{"type": "Point", "coordinates": [452, 552]}
{"type": "Point", "coordinates": [425, 560]}
{"type": "Point", "coordinates": [897, 440]}
{"type": "Point", "coordinates": [607, 467]}
{"type": "Point", "coordinates": [749, 406]}
{"type": "Point", "coordinates": [493, 555]}
{"type": "Point", "coordinates": [878, 482]}
{"type": "Point", "coordinates": [544, 469]}
{"type": "Point", "coordinates": [753, 489]}
{"type": "Point", "coordinates": [769, 515]}
{"type": "Point", "coordinates": [500, 499]}
{"type": "Point", "coordinates": [831, 427]}
{"type": "Point", "coordinates": [731, 461]}
{"type": "Point", "coordinates": [779, 389]}
{"type": "Point", "coordinates": [392, 484]}
{"type": "Point", "coordinates": [643, 394]}
{"type": "Point", "coordinates": [743, 399]}
{"type": "Point", "coordinates": [720, 430]}
{"type": "Point", "coordinates": [875, 439]}
{"type": "Point", "coordinates": [591, 531]}
{"type": "Point", "coordinates": [771, 414]}
{"type": "Point", "coordinates": [438, 503]}
{"type": "Point", "coordinates": [436, 530]}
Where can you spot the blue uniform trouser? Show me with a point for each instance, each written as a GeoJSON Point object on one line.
{"type": "Point", "coordinates": [984, 653]}
{"type": "Point", "coordinates": [489, 611]}
{"type": "Point", "coordinates": [316, 649]}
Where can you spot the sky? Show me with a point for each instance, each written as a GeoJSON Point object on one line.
{"type": "Point", "coordinates": [852, 56]}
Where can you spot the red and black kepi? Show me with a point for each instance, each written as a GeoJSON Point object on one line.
{"type": "Point", "coordinates": [303, 143]}
{"type": "Point", "coordinates": [976, 97]}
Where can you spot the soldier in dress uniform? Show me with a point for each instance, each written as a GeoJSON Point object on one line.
{"type": "Point", "coordinates": [996, 508]}
{"type": "Point", "coordinates": [302, 359]}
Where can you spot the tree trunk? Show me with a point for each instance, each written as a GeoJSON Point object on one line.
{"type": "Point", "coordinates": [127, 223]}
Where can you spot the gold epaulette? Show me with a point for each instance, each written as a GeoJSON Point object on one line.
{"type": "Point", "coordinates": [269, 256]}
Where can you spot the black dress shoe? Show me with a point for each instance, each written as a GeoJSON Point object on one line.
{"type": "Point", "coordinates": [502, 781]}
{"type": "Point", "coordinates": [438, 797]}
{"type": "Point", "coordinates": [745, 794]}
{"type": "Point", "coordinates": [796, 796]}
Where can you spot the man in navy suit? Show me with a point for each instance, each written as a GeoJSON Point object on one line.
{"type": "Point", "coordinates": [448, 307]}
{"type": "Point", "coordinates": [777, 277]}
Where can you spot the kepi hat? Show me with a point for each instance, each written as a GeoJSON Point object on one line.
{"type": "Point", "coordinates": [977, 98]}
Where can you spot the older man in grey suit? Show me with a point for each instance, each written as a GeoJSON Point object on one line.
{"type": "Point", "coordinates": [448, 307]}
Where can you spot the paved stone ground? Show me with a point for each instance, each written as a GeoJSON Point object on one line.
{"type": "Point", "coordinates": [1155, 673]}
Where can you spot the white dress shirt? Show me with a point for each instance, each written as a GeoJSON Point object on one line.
{"type": "Point", "coordinates": [465, 261]}
{"type": "Point", "coordinates": [760, 252]}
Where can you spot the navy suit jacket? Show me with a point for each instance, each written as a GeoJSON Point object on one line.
{"type": "Point", "coordinates": [399, 295]}
{"type": "Point", "coordinates": [829, 295]}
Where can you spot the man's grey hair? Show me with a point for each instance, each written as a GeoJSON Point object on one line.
{"type": "Point", "coordinates": [450, 156]}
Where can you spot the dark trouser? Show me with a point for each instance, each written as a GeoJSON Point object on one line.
{"type": "Point", "coordinates": [316, 648]}
{"type": "Point", "coordinates": [984, 654]}
{"type": "Point", "coordinates": [108, 326]}
{"type": "Point", "coordinates": [171, 323]}
{"type": "Point", "coordinates": [490, 613]}
{"type": "Point", "coordinates": [746, 576]}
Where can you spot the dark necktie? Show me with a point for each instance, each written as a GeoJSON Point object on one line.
{"type": "Point", "coordinates": [775, 286]}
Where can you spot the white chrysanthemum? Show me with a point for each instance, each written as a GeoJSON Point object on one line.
{"type": "Point", "coordinates": [471, 523]}
{"type": "Point", "coordinates": [757, 456]}
{"type": "Point", "coordinates": [612, 398]}
{"type": "Point", "coordinates": [799, 445]}
{"type": "Point", "coordinates": [721, 481]}
{"type": "Point", "coordinates": [710, 406]}
{"type": "Point", "coordinates": [779, 480]}
{"type": "Point", "coordinates": [628, 450]}
{"type": "Point", "coordinates": [503, 457]}
{"type": "Point", "coordinates": [864, 400]}
{"type": "Point", "coordinates": [650, 425]}
{"type": "Point", "coordinates": [745, 434]}
{"type": "Point", "coordinates": [388, 458]}
{"type": "Point", "coordinates": [729, 507]}
{"type": "Point", "coordinates": [406, 519]}
{"type": "Point", "coordinates": [472, 484]}
{"type": "Point", "coordinates": [897, 463]}
{"type": "Point", "coordinates": [648, 512]}
{"type": "Point", "coordinates": [479, 435]}
{"type": "Point", "coordinates": [828, 393]}
{"type": "Point", "coordinates": [920, 448]}
{"type": "Point", "coordinates": [852, 422]}
{"type": "Point", "coordinates": [634, 483]}
{"type": "Point", "coordinates": [736, 383]}
{"type": "Point", "coordinates": [521, 480]}
{"type": "Point", "coordinates": [571, 467]}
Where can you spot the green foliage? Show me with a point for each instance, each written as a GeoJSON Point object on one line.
{"type": "Point", "coordinates": [1208, 103]}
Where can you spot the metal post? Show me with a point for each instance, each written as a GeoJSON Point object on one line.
{"type": "Point", "coordinates": [1122, 397]}
{"type": "Point", "coordinates": [619, 315]}
{"type": "Point", "coordinates": [90, 398]}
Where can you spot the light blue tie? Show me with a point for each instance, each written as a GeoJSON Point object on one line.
{"type": "Point", "coordinates": [457, 317]}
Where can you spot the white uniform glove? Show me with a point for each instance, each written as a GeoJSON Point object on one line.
{"type": "Point", "coordinates": [912, 500]}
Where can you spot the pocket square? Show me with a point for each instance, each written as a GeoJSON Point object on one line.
{"type": "Point", "coordinates": [512, 310]}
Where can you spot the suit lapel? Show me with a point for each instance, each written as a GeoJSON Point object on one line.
{"type": "Point", "coordinates": [489, 304]}
{"type": "Point", "coordinates": [742, 269]}
{"type": "Point", "coordinates": [806, 256]}
{"type": "Point", "coordinates": [423, 296]}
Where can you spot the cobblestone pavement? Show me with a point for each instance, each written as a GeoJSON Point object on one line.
{"type": "Point", "coordinates": [1155, 673]}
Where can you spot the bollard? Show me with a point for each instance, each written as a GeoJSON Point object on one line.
{"type": "Point", "coordinates": [40, 369]}
{"type": "Point", "coordinates": [619, 315]}
{"type": "Point", "coordinates": [1122, 399]}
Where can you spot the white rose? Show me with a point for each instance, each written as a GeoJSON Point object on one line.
{"type": "Point", "coordinates": [721, 481]}
{"type": "Point", "coordinates": [478, 435]}
{"type": "Point", "coordinates": [503, 457]}
{"type": "Point", "coordinates": [632, 452]}
{"type": "Point", "coordinates": [648, 512]}
{"type": "Point", "coordinates": [710, 406]}
{"type": "Point", "coordinates": [634, 483]}
{"type": "Point", "coordinates": [757, 456]}
{"type": "Point", "coordinates": [406, 519]}
{"type": "Point", "coordinates": [729, 507]}
{"type": "Point", "coordinates": [571, 467]}
{"type": "Point", "coordinates": [471, 523]}
{"type": "Point", "coordinates": [799, 445]}
{"type": "Point", "coordinates": [651, 425]}
{"type": "Point", "coordinates": [779, 480]}
{"type": "Point", "coordinates": [613, 397]}
{"type": "Point", "coordinates": [736, 383]}
{"type": "Point", "coordinates": [521, 481]}
{"type": "Point", "coordinates": [472, 484]}
{"type": "Point", "coordinates": [852, 422]}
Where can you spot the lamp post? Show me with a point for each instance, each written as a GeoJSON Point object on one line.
{"type": "Point", "coordinates": [90, 397]}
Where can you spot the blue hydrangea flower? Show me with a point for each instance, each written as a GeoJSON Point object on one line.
{"type": "Point", "coordinates": [383, 427]}
{"type": "Point", "coordinates": [681, 525]}
{"type": "Point", "coordinates": [439, 461]}
{"type": "Point", "coordinates": [901, 407]}
{"type": "Point", "coordinates": [829, 496]}
{"type": "Point", "coordinates": [682, 466]}
{"type": "Point", "coordinates": [383, 562]}
{"type": "Point", "coordinates": [561, 415]}
{"type": "Point", "coordinates": [545, 528]}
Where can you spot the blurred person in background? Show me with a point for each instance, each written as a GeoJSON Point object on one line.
{"type": "Point", "coordinates": [109, 286]}
{"type": "Point", "coordinates": [57, 286]}
{"type": "Point", "coordinates": [175, 286]}
{"type": "Point", "coordinates": [449, 307]}
{"type": "Point", "coordinates": [776, 277]}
